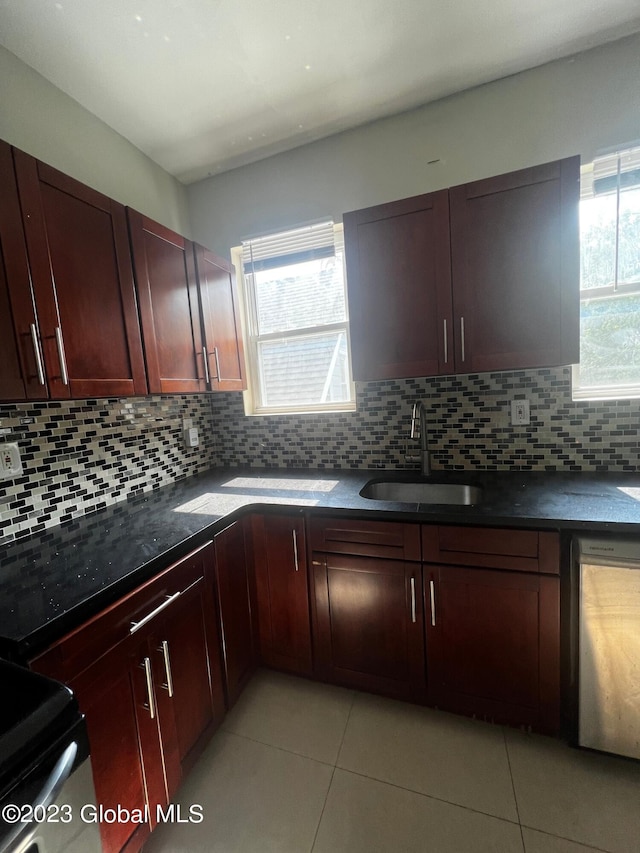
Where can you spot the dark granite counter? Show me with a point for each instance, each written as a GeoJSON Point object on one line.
{"type": "Point", "coordinates": [53, 581]}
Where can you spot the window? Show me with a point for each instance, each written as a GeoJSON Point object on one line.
{"type": "Point", "coordinates": [296, 321]}
{"type": "Point", "coordinates": [609, 278]}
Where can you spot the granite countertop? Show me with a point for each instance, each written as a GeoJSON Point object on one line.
{"type": "Point", "coordinates": [52, 581]}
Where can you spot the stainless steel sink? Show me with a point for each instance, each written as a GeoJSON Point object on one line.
{"type": "Point", "coordinates": [422, 493]}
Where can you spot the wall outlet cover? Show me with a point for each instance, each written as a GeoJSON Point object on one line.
{"type": "Point", "coordinates": [10, 461]}
{"type": "Point", "coordinates": [520, 414]}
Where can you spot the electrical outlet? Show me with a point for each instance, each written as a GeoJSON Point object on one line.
{"type": "Point", "coordinates": [520, 415]}
{"type": "Point", "coordinates": [187, 423]}
{"type": "Point", "coordinates": [191, 437]}
{"type": "Point", "coordinates": [10, 462]}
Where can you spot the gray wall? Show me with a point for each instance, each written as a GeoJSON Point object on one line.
{"type": "Point", "coordinates": [41, 120]}
{"type": "Point", "coordinates": [580, 105]}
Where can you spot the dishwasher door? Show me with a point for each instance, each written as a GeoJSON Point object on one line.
{"type": "Point", "coordinates": [609, 658]}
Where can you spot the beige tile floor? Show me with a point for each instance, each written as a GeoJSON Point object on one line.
{"type": "Point", "coordinates": [300, 767]}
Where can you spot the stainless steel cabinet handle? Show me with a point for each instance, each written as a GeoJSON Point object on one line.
{"type": "Point", "coordinates": [146, 663]}
{"type": "Point", "coordinates": [432, 597]}
{"type": "Point", "coordinates": [295, 550]}
{"type": "Point", "coordinates": [413, 599]}
{"type": "Point", "coordinates": [446, 343]}
{"type": "Point", "coordinates": [164, 648]}
{"type": "Point", "coordinates": [36, 350]}
{"type": "Point", "coordinates": [64, 375]}
{"type": "Point", "coordinates": [205, 358]}
{"type": "Point", "coordinates": [217, 361]}
{"type": "Point", "coordinates": [135, 626]}
{"type": "Point", "coordinates": [462, 336]}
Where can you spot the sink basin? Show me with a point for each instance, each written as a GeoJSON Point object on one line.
{"type": "Point", "coordinates": [422, 493]}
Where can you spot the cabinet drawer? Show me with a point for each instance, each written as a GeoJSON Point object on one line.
{"type": "Point", "coordinates": [394, 540]}
{"type": "Point", "coordinates": [518, 550]}
{"type": "Point", "coordinates": [85, 644]}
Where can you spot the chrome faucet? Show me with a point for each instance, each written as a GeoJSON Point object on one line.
{"type": "Point", "coordinates": [419, 415]}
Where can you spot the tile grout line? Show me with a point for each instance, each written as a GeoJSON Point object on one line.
{"type": "Point", "coordinates": [429, 796]}
{"type": "Point", "coordinates": [333, 773]}
{"type": "Point", "coordinates": [513, 786]}
{"type": "Point", "coordinates": [279, 748]}
{"type": "Point", "coordinates": [564, 838]}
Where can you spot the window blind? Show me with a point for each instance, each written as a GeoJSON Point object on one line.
{"type": "Point", "coordinates": [288, 247]}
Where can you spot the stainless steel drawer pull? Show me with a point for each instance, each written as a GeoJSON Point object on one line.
{"type": "Point", "coordinates": [446, 343]}
{"type": "Point", "coordinates": [146, 663]}
{"type": "Point", "coordinates": [64, 374]}
{"type": "Point", "coordinates": [135, 626]}
{"type": "Point", "coordinates": [38, 355]}
{"type": "Point", "coordinates": [462, 336]}
{"type": "Point", "coordinates": [413, 599]}
{"type": "Point", "coordinates": [432, 597]}
{"type": "Point", "coordinates": [295, 551]}
{"type": "Point", "coordinates": [205, 358]}
{"type": "Point", "coordinates": [164, 648]}
{"type": "Point", "coordinates": [217, 361]}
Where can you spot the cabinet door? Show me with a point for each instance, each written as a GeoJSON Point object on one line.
{"type": "Point", "coordinates": [280, 566]}
{"type": "Point", "coordinates": [493, 644]}
{"type": "Point", "coordinates": [368, 623]}
{"type": "Point", "coordinates": [20, 354]}
{"type": "Point", "coordinates": [167, 293]}
{"type": "Point", "coordinates": [399, 275]}
{"type": "Point", "coordinates": [515, 262]}
{"type": "Point", "coordinates": [83, 285]}
{"type": "Point", "coordinates": [107, 694]}
{"type": "Point", "coordinates": [236, 616]}
{"type": "Point", "coordinates": [221, 321]}
{"type": "Point", "coordinates": [188, 669]}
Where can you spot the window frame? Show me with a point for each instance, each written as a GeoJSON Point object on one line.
{"type": "Point", "coordinates": [249, 310]}
{"type": "Point", "coordinates": [613, 290]}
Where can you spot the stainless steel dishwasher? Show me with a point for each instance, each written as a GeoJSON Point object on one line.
{"type": "Point", "coordinates": [609, 645]}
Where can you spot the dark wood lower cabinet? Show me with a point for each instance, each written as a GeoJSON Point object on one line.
{"type": "Point", "coordinates": [368, 624]}
{"type": "Point", "coordinates": [151, 696]}
{"type": "Point", "coordinates": [493, 640]}
{"type": "Point", "coordinates": [237, 619]}
{"type": "Point", "coordinates": [152, 671]}
{"type": "Point", "coordinates": [282, 600]}
{"type": "Point", "coordinates": [186, 656]}
{"type": "Point", "coordinates": [106, 693]}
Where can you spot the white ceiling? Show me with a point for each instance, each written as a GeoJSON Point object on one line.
{"type": "Point", "coordinates": [202, 86]}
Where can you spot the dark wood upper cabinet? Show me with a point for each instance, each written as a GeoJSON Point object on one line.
{"type": "Point", "coordinates": [20, 354]}
{"type": "Point", "coordinates": [282, 600]}
{"type": "Point", "coordinates": [515, 265]}
{"type": "Point", "coordinates": [168, 298]}
{"type": "Point", "coordinates": [220, 322]}
{"type": "Point", "coordinates": [83, 285]}
{"type": "Point", "coordinates": [483, 276]}
{"type": "Point", "coordinates": [399, 286]}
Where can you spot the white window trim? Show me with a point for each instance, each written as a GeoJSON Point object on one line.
{"type": "Point", "coordinates": [251, 396]}
{"type": "Point", "coordinates": [630, 391]}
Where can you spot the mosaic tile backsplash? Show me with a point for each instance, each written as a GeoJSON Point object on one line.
{"type": "Point", "coordinates": [83, 455]}
{"type": "Point", "coordinates": [469, 427]}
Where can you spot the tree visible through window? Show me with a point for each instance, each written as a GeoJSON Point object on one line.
{"type": "Point", "coordinates": [610, 278]}
{"type": "Point", "coordinates": [297, 321]}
